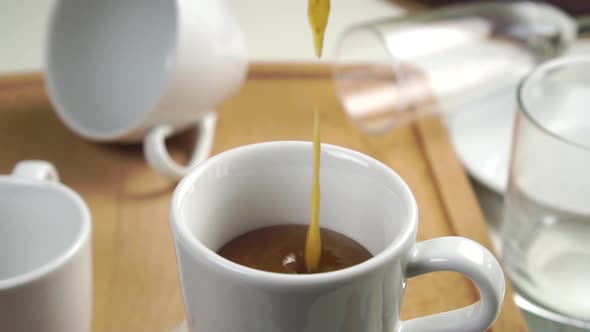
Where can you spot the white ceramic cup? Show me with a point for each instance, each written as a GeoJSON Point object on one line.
{"type": "Point", "coordinates": [127, 70]}
{"type": "Point", "coordinates": [266, 184]}
{"type": "Point", "coordinates": [45, 253]}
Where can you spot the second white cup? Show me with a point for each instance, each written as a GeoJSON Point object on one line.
{"type": "Point", "coordinates": [132, 70]}
{"type": "Point", "coordinates": [45, 253]}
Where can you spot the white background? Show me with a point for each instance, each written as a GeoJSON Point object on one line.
{"type": "Point", "coordinates": [275, 30]}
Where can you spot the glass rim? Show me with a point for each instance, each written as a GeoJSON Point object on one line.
{"type": "Point", "coordinates": [394, 66]}
{"type": "Point", "coordinates": [538, 72]}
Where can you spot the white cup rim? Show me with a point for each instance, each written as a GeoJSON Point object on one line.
{"type": "Point", "coordinates": [184, 237]}
{"type": "Point", "coordinates": [56, 262]}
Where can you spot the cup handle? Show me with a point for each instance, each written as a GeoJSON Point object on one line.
{"type": "Point", "coordinates": [156, 153]}
{"type": "Point", "coordinates": [470, 259]}
{"type": "Point", "coordinates": [37, 170]}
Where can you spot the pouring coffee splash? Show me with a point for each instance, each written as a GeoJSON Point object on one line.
{"type": "Point", "coordinates": [318, 12]}
{"type": "Point", "coordinates": [313, 244]}
{"type": "Point", "coordinates": [298, 248]}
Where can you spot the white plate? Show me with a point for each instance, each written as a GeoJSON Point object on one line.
{"type": "Point", "coordinates": [482, 134]}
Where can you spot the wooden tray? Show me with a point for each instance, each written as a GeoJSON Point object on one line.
{"type": "Point", "coordinates": [136, 285]}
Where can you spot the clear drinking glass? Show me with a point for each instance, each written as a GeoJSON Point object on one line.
{"type": "Point", "coordinates": [546, 227]}
{"type": "Point", "coordinates": [389, 72]}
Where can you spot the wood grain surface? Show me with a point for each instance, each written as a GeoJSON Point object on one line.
{"type": "Point", "coordinates": [136, 284]}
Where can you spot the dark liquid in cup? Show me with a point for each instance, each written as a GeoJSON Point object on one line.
{"type": "Point", "coordinates": [280, 249]}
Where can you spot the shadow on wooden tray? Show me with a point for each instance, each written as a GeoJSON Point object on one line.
{"type": "Point", "coordinates": [29, 129]}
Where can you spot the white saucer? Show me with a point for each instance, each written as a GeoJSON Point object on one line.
{"type": "Point", "coordinates": [482, 133]}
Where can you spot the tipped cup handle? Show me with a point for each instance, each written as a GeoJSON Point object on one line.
{"type": "Point", "coordinates": [159, 159]}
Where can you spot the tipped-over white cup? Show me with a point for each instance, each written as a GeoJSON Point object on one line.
{"type": "Point", "coordinates": [132, 70]}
